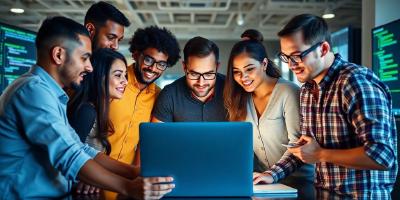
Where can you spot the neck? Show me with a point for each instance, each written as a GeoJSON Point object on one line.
{"type": "Point", "coordinates": [265, 88]}
{"type": "Point", "coordinates": [51, 70]}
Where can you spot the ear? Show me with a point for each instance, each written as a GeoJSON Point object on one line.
{"type": "Point", "coordinates": [135, 56]}
{"type": "Point", "coordinates": [91, 28]}
{"type": "Point", "coordinates": [325, 48]}
{"type": "Point", "coordinates": [265, 64]}
{"type": "Point", "coordinates": [184, 66]}
{"type": "Point", "coordinates": [218, 64]}
{"type": "Point", "coordinates": [58, 55]}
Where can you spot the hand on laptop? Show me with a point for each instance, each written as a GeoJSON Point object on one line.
{"type": "Point", "coordinates": [262, 178]}
{"type": "Point", "coordinates": [151, 187]}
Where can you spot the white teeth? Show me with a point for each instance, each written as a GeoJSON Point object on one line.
{"type": "Point", "coordinates": [149, 74]}
{"type": "Point", "coordinates": [247, 83]}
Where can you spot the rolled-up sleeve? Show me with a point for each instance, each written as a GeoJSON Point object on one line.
{"type": "Point", "coordinates": [45, 125]}
{"type": "Point", "coordinates": [369, 107]}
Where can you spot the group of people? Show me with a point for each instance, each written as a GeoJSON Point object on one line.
{"type": "Point", "coordinates": [73, 120]}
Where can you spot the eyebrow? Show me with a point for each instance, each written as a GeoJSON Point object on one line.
{"type": "Point", "coordinates": [118, 70]}
{"type": "Point", "coordinates": [248, 65]}
{"type": "Point", "coordinates": [87, 54]}
{"type": "Point", "coordinates": [211, 71]}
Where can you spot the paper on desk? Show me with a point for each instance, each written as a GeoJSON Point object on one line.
{"type": "Point", "coordinates": [276, 188]}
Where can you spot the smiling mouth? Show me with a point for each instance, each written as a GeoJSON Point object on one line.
{"type": "Point", "coordinates": [120, 89]}
{"type": "Point", "coordinates": [247, 83]}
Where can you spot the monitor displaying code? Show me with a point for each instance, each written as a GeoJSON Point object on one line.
{"type": "Point", "coordinates": [17, 53]}
{"type": "Point", "coordinates": [386, 58]}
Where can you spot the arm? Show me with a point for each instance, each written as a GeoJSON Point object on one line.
{"type": "Point", "coordinates": [139, 188]}
{"type": "Point", "coordinates": [367, 108]}
{"type": "Point", "coordinates": [355, 158]}
{"type": "Point", "coordinates": [116, 167]}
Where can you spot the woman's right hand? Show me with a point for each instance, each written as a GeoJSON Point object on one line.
{"type": "Point", "coordinates": [262, 178]}
{"type": "Point", "coordinates": [150, 187]}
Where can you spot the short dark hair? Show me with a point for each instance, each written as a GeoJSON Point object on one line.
{"type": "Point", "coordinates": [101, 11]}
{"type": "Point", "coordinates": [58, 28]}
{"type": "Point", "coordinates": [200, 47]}
{"type": "Point", "coordinates": [314, 28]}
{"type": "Point", "coordinates": [253, 34]}
{"type": "Point", "coordinates": [159, 38]}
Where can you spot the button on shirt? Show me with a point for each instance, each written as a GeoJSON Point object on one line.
{"type": "Point", "coordinates": [126, 114]}
{"type": "Point", "coordinates": [40, 154]}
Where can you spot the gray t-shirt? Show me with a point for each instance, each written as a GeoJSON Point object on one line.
{"type": "Point", "coordinates": [175, 103]}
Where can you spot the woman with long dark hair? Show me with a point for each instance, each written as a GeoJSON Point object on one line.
{"type": "Point", "coordinates": [255, 92]}
{"type": "Point", "coordinates": [88, 109]}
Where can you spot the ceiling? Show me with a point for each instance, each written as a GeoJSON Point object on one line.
{"type": "Point", "coordinates": [213, 19]}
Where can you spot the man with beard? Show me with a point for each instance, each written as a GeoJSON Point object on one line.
{"type": "Point", "coordinates": [105, 24]}
{"type": "Point", "coordinates": [40, 153]}
{"type": "Point", "coordinates": [198, 95]}
{"type": "Point", "coordinates": [154, 50]}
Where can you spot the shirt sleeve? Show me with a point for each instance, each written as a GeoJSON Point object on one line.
{"type": "Point", "coordinates": [45, 125]}
{"type": "Point", "coordinates": [82, 120]}
{"type": "Point", "coordinates": [367, 104]}
{"type": "Point", "coordinates": [163, 108]}
{"type": "Point", "coordinates": [291, 108]}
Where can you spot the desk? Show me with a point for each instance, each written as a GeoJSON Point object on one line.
{"type": "Point", "coordinates": [305, 191]}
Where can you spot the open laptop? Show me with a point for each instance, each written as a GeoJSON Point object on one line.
{"type": "Point", "coordinates": [206, 159]}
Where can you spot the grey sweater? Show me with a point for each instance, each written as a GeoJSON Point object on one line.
{"type": "Point", "coordinates": [278, 124]}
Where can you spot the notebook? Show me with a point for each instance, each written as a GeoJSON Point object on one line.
{"type": "Point", "coordinates": [274, 190]}
{"type": "Point", "coordinates": [206, 159]}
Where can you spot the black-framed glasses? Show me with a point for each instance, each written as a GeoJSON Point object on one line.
{"type": "Point", "coordinates": [196, 76]}
{"type": "Point", "coordinates": [298, 58]}
{"type": "Point", "coordinates": [150, 61]}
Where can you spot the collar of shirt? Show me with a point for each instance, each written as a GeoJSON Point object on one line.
{"type": "Point", "coordinates": [55, 87]}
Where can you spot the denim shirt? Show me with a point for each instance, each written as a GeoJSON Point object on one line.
{"type": "Point", "coordinates": [40, 154]}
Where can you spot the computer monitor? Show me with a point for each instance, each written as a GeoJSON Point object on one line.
{"type": "Point", "coordinates": [347, 42]}
{"type": "Point", "coordinates": [386, 58]}
{"type": "Point", "coordinates": [17, 53]}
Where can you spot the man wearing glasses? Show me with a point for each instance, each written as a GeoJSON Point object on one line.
{"type": "Point", "coordinates": [197, 96]}
{"type": "Point", "coordinates": [154, 50]}
{"type": "Point", "coordinates": [347, 128]}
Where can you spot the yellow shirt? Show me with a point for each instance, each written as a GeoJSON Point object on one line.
{"type": "Point", "coordinates": [126, 114]}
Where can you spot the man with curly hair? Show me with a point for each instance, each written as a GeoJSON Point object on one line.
{"type": "Point", "coordinates": [154, 50]}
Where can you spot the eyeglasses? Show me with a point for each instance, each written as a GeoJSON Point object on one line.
{"type": "Point", "coordinates": [298, 58]}
{"type": "Point", "coordinates": [196, 76]}
{"type": "Point", "coordinates": [149, 61]}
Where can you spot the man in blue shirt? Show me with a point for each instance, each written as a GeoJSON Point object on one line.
{"type": "Point", "coordinates": [40, 154]}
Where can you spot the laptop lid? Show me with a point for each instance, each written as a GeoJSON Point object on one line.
{"type": "Point", "coordinates": [205, 158]}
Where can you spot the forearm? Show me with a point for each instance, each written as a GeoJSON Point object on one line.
{"type": "Point", "coordinates": [352, 158]}
{"type": "Point", "coordinates": [116, 167]}
{"type": "Point", "coordinates": [94, 174]}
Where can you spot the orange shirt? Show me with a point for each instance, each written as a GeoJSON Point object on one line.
{"type": "Point", "coordinates": [126, 114]}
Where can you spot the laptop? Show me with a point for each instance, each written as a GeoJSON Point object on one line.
{"type": "Point", "coordinates": [206, 159]}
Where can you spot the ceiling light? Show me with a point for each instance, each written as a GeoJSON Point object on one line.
{"type": "Point", "coordinates": [17, 8]}
{"type": "Point", "coordinates": [239, 19]}
{"type": "Point", "coordinates": [328, 14]}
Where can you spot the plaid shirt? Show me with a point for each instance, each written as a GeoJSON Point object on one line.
{"type": "Point", "coordinates": [351, 109]}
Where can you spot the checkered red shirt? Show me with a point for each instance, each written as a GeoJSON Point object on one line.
{"type": "Point", "coordinates": [352, 109]}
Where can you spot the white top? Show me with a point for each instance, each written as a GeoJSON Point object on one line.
{"type": "Point", "coordinates": [278, 124]}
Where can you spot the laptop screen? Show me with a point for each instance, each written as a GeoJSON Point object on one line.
{"type": "Point", "coordinates": [205, 158]}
